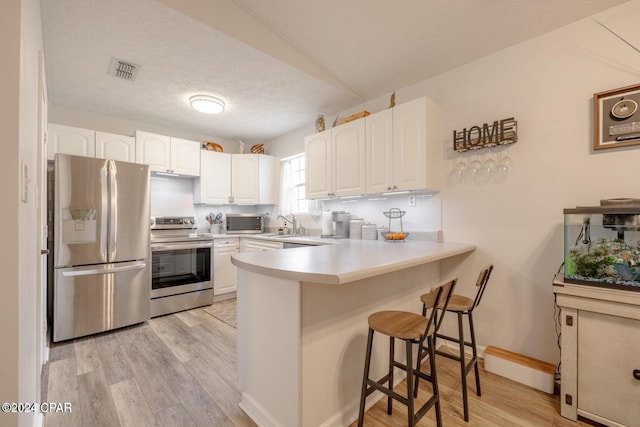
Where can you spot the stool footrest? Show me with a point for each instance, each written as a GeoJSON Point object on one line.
{"type": "Point", "coordinates": [453, 339]}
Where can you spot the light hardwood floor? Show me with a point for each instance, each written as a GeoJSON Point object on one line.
{"type": "Point", "coordinates": [179, 370]}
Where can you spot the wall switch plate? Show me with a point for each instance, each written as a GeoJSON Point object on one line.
{"type": "Point", "coordinates": [412, 200]}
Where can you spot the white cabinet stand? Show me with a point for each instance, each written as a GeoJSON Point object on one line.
{"type": "Point", "coordinates": [600, 355]}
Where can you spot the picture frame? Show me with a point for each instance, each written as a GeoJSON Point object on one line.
{"type": "Point", "coordinates": [616, 118]}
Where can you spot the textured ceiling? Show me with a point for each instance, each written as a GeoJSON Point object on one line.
{"type": "Point", "coordinates": [277, 63]}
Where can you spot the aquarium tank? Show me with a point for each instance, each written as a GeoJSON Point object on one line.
{"type": "Point", "coordinates": [602, 244]}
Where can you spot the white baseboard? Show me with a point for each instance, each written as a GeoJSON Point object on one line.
{"type": "Point", "coordinates": [38, 420]}
{"type": "Point", "coordinates": [256, 412]}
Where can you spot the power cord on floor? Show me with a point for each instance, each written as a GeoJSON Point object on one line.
{"type": "Point", "coordinates": [557, 320]}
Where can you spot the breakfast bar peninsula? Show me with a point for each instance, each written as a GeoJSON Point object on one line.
{"type": "Point", "coordinates": [302, 323]}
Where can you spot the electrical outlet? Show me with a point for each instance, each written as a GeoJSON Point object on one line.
{"type": "Point", "coordinates": [412, 200]}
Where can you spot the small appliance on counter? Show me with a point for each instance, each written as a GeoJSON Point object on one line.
{"type": "Point", "coordinates": [245, 223]}
{"type": "Point", "coordinates": [340, 224]}
{"type": "Point", "coordinates": [602, 244]}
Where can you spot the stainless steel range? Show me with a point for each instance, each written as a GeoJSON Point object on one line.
{"type": "Point", "coordinates": [182, 266]}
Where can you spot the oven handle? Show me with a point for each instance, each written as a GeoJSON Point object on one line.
{"type": "Point", "coordinates": [178, 246]}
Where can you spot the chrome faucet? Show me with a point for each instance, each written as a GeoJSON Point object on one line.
{"type": "Point", "coordinates": [294, 229]}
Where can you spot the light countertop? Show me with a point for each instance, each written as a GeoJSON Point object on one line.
{"type": "Point", "coordinates": [346, 261]}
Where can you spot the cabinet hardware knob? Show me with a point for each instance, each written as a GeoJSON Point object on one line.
{"type": "Point", "coordinates": [636, 374]}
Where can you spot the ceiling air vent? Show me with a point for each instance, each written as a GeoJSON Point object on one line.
{"type": "Point", "coordinates": [123, 69]}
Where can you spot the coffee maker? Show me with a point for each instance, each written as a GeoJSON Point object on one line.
{"type": "Point", "coordinates": [340, 224]}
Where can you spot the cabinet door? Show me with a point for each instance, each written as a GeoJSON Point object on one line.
{"type": "Point", "coordinates": [608, 355]}
{"type": "Point", "coordinates": [224, 272]}
{"type": "Point", "coordinates": [115, 147]}
{"type": "Point", "coordinates": [153, 150]}
{"type": "Point", "coordinates": [245, 179]}
{"type": "Point", "coordinates": [214, 185]}
{"type": "Point", "coordinates": [318, 165]}
{"type": "Point", "coordinates": [409, 145]}
{"type": "Point", "coordinates": [348, 159]}
{"type": "Point", "coordinates": [379, 152]}
{"type": "Point", "coordinates": [185, 157]}
{"type": "Point", "coordinates": [70, 140]}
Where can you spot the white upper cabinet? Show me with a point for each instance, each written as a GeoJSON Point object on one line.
{"type": "Point", "coordinates": [393, 150]}
{"type": "Point", "coordinates": [166, 154]}
{"type": "Point", "coordinates": [348, 158]}
{"type": "Point", "coordinates": [185, 157]}
{"type": "Point", "coordinates": [417, 146]}
{"type": "Point", "coordinates": [214, 185]}
{"type": "Point", "coordinates": [115, 147]}
{"type": "Point", "coordinates": [153, 150]}
{"type": "Point", "coordinates": [318, 182]}
{"type": "Point", "coordinates": [335, 161]}
{"type": "Point", "coordinates": [254, 179]}
{"type": "Point", "coordinates": [379, 152]}
{"type": "Point", "coordinates": [70, 140]}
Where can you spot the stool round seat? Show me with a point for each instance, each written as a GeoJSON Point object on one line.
{"type": "Point", "coordinates": [399, 324]}
{"type": "Point", "coordinates": [458, 303]}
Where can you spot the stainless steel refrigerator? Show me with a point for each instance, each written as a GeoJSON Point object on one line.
{"type": "Point", "coordinates": [102, 268]}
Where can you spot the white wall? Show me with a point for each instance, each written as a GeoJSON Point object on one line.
{"type": "Point", "coordinates": [21, 36]}
{"type": "Point", "coordinates": [547, 84]}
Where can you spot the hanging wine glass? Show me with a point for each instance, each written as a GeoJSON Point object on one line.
{"type": "Point", "coordinates": [473, 168]}
{"type": "Point", "coordinates": [483, 176]}
{"type": "Point", "coordinates": [457, 174]}
{"type": "Point", "coordinates": [502, 168]}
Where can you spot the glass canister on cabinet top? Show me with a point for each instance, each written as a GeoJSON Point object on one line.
{"type": "Point", "coordinates": [602, 244]}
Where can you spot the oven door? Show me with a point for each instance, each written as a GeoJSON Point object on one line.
{"type": "Point", "coordinates": [180, 267]}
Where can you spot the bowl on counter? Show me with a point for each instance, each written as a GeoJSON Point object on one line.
{"type": "Point", "coordinates": [394, 236]}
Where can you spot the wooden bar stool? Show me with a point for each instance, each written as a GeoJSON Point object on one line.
{"type": "Point", "coordinates": [462, 306]}
{"type": "Point", "coordinates": [412, 328]}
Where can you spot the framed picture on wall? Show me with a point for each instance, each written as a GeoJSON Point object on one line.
{"type": "Point", "coordinates": [616, 118]}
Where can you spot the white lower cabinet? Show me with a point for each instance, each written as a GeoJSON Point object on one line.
{"type": "Point", "coordinates": [609, 367]}
{"type": "Point", "coordinates": [259, 245]}
{"type": "Point", "coordinates": [224, 272]}
{"type": "Point", "coordinates": [600, 353]}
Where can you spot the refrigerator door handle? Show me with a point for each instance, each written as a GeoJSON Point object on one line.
{"type": "Point", "coordinates": [113, 210]}
{"type": "Point", "coordinates": [104, 215]}
{"type": "Point", "coordinates": [94, 271]}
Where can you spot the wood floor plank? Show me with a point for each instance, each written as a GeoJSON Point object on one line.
{"type": "Point", "coordinates": [225, 395]}
{"type": "Point", "coordinates": [86, 354]}
{"type": "Point", "coordinates": [168, 364]}
{"type": "Point", "coordinates": [174, 416]}
{"type": "Point", "coordinates": [96, 404]}
{"type": "Point", "coordinates": [61, 350]}
{"type": "Point", "coordinates": [152, 383]}
{"type": "Point", "coordinates": [115, 365]}
{"type": "Point", "coordinates": [201, 408]}
{"type": "Point", "coordinates": [174, 336]}
{"type": "Point", "coordinates": [131, 406]}
{"type": "Point", "coordinates": [62, 386]}
{"type": "Point", "coordinates": [188, 318]}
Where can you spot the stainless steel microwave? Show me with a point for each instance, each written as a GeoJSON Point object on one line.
{"type": "Point", "coordinates": [245, 223]}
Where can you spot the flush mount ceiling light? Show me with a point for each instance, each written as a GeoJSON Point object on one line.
{"type": "Point", "coordinates": [207, 104]}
